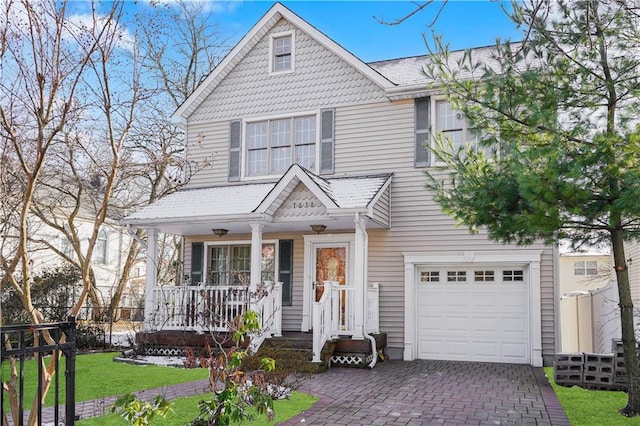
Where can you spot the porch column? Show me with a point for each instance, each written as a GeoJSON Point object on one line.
{"type": "Point", "coordinates": [151, 276]}
{"type": "Point", "coordinates": [256, 256]}
{"type": "Point", "coordinates": [360, 276]}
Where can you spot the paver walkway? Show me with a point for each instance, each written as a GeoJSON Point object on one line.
{"type": "Point", "coordinates": [408, 393]}
{"type": "Point", "coordinates": [433, 393]}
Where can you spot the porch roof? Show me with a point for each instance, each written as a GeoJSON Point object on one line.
{"type": "Point", "coordinates": [233, 207]}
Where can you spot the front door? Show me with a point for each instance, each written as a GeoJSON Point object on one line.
{"type": "Point", "coordinates": [331, 264]}
{"type": "Point", "coordinates": [327, 258]}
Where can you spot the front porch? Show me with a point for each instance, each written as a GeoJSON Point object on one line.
{"type": "Point", "coordinates": [193, 316]}
{"type": "Point", "coordinates": [242, 250]}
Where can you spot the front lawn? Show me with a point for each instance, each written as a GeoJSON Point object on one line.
{"type": "Point", "coordinates": [591, 407]}
{"type": "Point", "coordinates": [186, 409]}
{"type": "Point", "coordinates": [98, 376]}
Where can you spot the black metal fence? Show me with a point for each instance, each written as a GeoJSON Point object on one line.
{"type": "Point", "coordinates": [23, 342]}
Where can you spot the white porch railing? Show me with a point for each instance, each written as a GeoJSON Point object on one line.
{"type": "Point", "coordinates": [333, 314]}
{"type": "Point", "coordinates": [205, 308]}
{"type": "Point", "coordinates": [322, 320]}
{"type": "Point", "coordinates": [268, 306]}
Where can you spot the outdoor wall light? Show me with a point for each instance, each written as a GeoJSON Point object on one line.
{"type": "Point", "coordinates": [318, 228]}
{"type": "Point", "coordinates": [220, 232]}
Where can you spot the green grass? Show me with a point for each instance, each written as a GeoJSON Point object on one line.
{"type": "Point", "coordinates": [97, 376]}
{"type": "Point", "coordinates": [186, 409]}
{"type": "Point", "coordinates": [591, 407]}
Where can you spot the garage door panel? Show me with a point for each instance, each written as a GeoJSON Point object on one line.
{"type": "Point", "coordinates": [484, 324]}
{"type": "Point", "coordinates": [459, 348]}
{"type": "Point", "coordinates": [484, 349]}
{"type": "Point", "coordinates": [431, 324]}
{"type": "Point", "coordinates": [515, 351]}
{"type": "Point", "coordinates": [473, 321]}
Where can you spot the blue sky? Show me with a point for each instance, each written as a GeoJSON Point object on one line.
{"type": "Point", "coordinates": [351, 24]}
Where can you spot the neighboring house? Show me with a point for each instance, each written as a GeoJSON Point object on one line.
{"type": "Point", "coordinates": [319, 183]}
{"type": "Point", "coordinates": [108, 259]}
{"type": "Point", "coordinates": [584, 270]}
{"type": "Point", "coordinates": [588, 310]}
{"type": "Point", "coordinates": [632, 253]}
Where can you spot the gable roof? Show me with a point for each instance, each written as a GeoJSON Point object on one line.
{"type": "Point", "coordinates": [288, 183]}
{"type": "Point", "coordinates": [241, 204]}
{"type": "Point", "coordinates": [257, 32]}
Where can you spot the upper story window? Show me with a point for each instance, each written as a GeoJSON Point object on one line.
{"type": "Point", "coordinates": [267, 147]}
{"type": "Point", "coordinates": [282, 52]}
{"type": "Point", "coordinates": [273, 145]}
{"type": "Point", "coordinates": [585, 267]}
{"type": "Point", "coordinates": [435, 116]}
{"type": "Point", "coordinates": [100, 250]}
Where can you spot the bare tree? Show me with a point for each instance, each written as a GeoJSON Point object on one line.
{"type": "Point", "coordinates": [179, 47]}
{"type": "Point", "coordinates": [58, 80]}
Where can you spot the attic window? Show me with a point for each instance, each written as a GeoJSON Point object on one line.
{"type": "Point", "coordinates": [282, 51]}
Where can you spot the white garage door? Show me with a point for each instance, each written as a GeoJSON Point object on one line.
{"type": "Point", "coordinates": [473, 313]}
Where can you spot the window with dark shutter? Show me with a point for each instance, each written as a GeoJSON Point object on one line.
{"type": "Point", "coordinates": [422, 115]}
{"type": "Point", "coordinates": [235, 145]}
{"type": "Point", "coordinates": [197, 260]}
{"type": "Point", "coordinates": [285, 270]}
{"type": "Point", "coordinates": [327, 141]}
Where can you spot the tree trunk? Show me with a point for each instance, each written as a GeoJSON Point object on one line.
{"type": "Point", "coordinates": [632, 379]}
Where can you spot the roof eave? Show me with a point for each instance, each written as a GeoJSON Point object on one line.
{"type": "Point", "coordinates": [150, 222]}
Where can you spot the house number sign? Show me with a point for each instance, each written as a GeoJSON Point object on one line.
{"type": "Point", "coordinates": [304, 204]}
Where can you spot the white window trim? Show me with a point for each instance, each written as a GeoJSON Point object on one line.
{"type": "Point", "coordinates": [434, 129]}
{"type": "Point", "coordinates": [528, 259]}
{"type": "Point", "coordinates": [228, 243]}
{"type": "Point", "coordinates": [244, 154]}
{"type": "Point", "coordinates": [291, 34]}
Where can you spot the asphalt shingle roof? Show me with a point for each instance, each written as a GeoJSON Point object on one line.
{"type": "Point", "coordinates": [347, 192]}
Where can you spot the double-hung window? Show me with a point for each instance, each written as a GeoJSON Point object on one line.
{"type": "Point", "coordinates": [100, 249]}
{"type": "Point", "coordinates": [436, 116]}
{"type": "Point", "coordinates": [453, 126]}
{"type": "Point", "coordinates": [273, 145]}
{"type": "Point", "coordinates": [231, 264]}
{"type": "Point", "coordinates": [585, 267]}
{"type": "Point", "coordinates": [282, 52]}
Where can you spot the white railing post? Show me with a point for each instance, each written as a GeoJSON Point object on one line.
{"type": "Point", "coordinates": [373, 308]}
{"type": "Point", "coordinates": [268, 309]}
{"type": "Point", "coordinates": [255, 276]}
{"type": "Point", "coordinates": [322, 321]}
{"type": "Point", "coordinates": [360, 275]}
{"type": "Point", "coordinates": [150, 283]}
{"type": "Point", "coordinates": [277, 309]}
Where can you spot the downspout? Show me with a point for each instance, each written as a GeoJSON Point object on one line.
{"type": "Point", "coordinates": [374, 349]}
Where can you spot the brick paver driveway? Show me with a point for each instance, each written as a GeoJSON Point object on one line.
{"type": "Point", "coordinates": [432, 393]}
